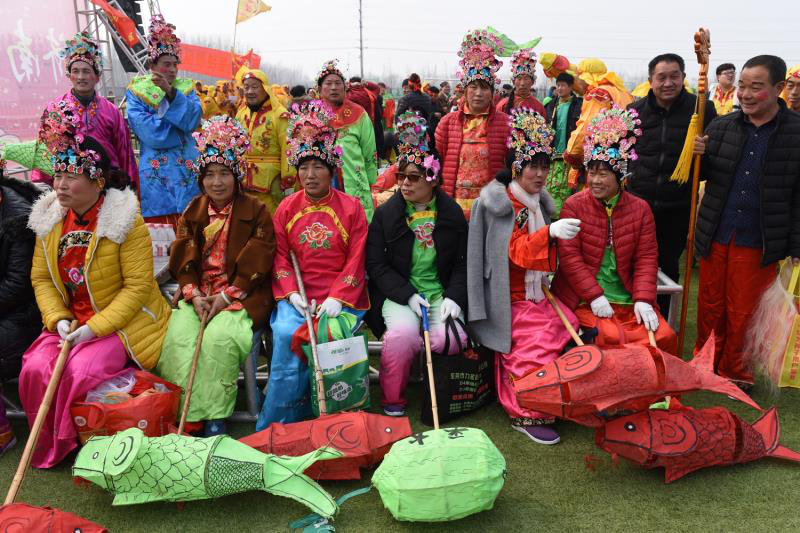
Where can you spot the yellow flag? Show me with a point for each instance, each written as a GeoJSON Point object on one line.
{"type": "Point", "coordinates": [249, 9]}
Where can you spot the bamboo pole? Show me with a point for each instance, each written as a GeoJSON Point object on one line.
{"type": "Point", "coordinates": [190, 383]}
{"type": "Point", "coordinates": [562, 316]}
{"type": "Point", "coordinates": [426, 335]}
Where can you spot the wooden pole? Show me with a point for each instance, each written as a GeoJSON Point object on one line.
{"type": "Point", "coordinates": [562, 316]}
{"type": "Point", "coordinates": [426, 335]}
{"type": "Point", "coordinates": [702, 47]}
{"type": "Point", "coordinates": [323, 409]}
{"type": "Point", "coordinates": [44, 408]}
{"type": "Point", "coordinates": [652, 338]}
{"type": "Point", "coordinates": [190, 384]}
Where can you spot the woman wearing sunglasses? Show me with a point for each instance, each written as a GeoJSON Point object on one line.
{"type": "Point", "coordinates": [416, 259]}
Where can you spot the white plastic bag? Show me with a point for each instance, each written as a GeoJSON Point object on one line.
{"type": "Point", "coordinates": [113, 390]}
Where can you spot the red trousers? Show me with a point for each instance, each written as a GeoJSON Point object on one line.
{"type": "Point", "coordinates": [732, 281]}
{"type": "Point", "coordinates": [623, 329]}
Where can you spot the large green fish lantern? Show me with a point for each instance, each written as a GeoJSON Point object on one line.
{"type": "Point", "coordinates": [440, 475]}
{"type": "Point", "coordinates": [139, 469]}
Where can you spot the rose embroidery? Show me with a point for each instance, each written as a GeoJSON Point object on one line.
{"type": "Point", "coordinates": [424, 234]}
{"type": "Point", "coordinates": [317, 235]}
{"type": "Point", "coordinates": [76, 279]}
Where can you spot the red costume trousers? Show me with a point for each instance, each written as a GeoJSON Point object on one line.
{"type": "Point", "coordinates": [732, 281]}
{"type": "Point", "coordinates": [623, 329]}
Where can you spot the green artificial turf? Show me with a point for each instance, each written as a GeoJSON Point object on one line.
{"type": "Point", "coordinates": [549, 488]}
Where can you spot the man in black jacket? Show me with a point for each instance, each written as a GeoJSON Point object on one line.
{"type": "Point", "coordinates": [750, 215]}
{"type": "Point", "coordinates": [20, 320]}
{"type": "Point", "coordinates": [665, 114]}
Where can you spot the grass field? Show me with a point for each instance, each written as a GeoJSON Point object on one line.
{"type": "Point", "coordinates": [547, 489]}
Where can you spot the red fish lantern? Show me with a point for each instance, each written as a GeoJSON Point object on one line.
{"type": "Point", "coordinates": [587, 382]}
{"type": "Point", "coordinates": [684, 440]}
{"type": "Point", "coordinates": [363, 438]}
{"type": "Point", "coordinates": [21, 517]}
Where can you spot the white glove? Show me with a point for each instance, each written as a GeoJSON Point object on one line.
{"type": "Point", "coordinates": [63, 328]}
{"type": "Point", "coordinates": [415, 302]}
{"type": "Point", "coordinates": [566, 228]}
{"type": "Point", "coordinates": [646, 314]}
{"type": "Point", "coordinates": [450, 309]}
{"type": "Point", "coordinates": [297, 301]}
{"type": "Point", "coordinates": [82, 334]}
{"type": "Point", "coordinates": [601, 308]}
{"type": "Point", "coordinates": [331, 307]}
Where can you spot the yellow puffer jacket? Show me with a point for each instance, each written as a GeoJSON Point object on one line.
{"type": "Point", "coordinates": [119, 266]}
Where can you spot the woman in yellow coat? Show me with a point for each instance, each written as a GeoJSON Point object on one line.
{"type": "Point", "coordinates": [92, 263]}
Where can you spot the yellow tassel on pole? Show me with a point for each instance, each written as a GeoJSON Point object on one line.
{"type": "Point", "coordinates": [681, 172]}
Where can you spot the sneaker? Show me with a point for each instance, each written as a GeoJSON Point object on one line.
{"type": "Point", "coordinates": [541, 434]}
{"type": "Point", "coordinates": [7, 441]}
{"type": "Point", "coordinates": [214, 428]}
{"type": "Point", "coordinates": [395, 410]}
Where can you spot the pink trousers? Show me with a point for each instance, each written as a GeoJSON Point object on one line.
{"type": "Point", "coordinates": [537, 338]}
{"type": "Point", "coordinates": [89, 364]}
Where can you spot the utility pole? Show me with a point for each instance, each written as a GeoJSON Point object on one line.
{"type": "Point", "coordinates": [361, 38]}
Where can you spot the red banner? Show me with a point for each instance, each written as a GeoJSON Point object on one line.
{"type": "Point", "coordinates": [121, 22]}
{"type": "Point", "coordinates": [213, 62]}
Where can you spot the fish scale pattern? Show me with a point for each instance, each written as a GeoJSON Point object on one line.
{"type": "Point", "coordinates": [228, 476]}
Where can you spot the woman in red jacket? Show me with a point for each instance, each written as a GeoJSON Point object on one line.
{"type": "Point", "coordinates": [472, 139]}
{"type": "Point", "coordinates": [608, 273]}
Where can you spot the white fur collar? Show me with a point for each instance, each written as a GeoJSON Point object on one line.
{"type": "Point", "coordinates": [494, 197]}
{"type": "Point", "coordinates": [115, 220]}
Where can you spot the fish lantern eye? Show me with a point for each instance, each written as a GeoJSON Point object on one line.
{"type": "Point", "coordinates": [95, 455]}
{"type": "Point", "coordinates": [541, 373]}
{"type": "Point", "coordinates": [630, 426]}
{"type": "Point", "coordinates": [388, 430]}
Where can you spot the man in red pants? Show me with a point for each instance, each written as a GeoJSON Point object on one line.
{"type": "Point", "coordinates": [750, 214]}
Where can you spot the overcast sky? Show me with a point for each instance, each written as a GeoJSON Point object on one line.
{"type": "Point", "coordinates": [423, 36]}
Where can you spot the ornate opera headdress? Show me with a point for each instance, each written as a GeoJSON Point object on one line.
{"type": "Point", "coordinates": [478, 61]}
{"type": "Point", "coordinates": [222, 140]}
{"type": "Point", "coordinates": [413, 144]}
{"type": "Point", "coordinates": [330, 67]}
{"type": "Point", "coordinates": [59, 132]}
{"type": "Point", "coordinates": [610, 137]}
{"type": "Point", "coordinates": [161, 39]}
{"type": "Point", "coordinates": [523, 62]}
{"type": "Point", "coordinates": [530, 135]}
{"type": "Point", "coordinates": [82, 48]}
{"type": "Point", "coordinates": [310, 134]}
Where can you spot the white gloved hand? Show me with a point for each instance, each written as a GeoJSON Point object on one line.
{"type": "Point", "coordinates": [331, 307]}
{"type": "Point", "coordinates": [82, 334]}
{"type": "Point", "coordinates": [601, 308]}
{"type": "Point", "coordinates": [646, 314]}
{"type": "Point", "coordinates": [297, 301]}
{"type": "Point", "coordinates": [566, 228]}
{"type": "Point", "coordinates": [415, 302]}
{"type": "Point", "coordinates": [63, 328]}
{"type": "Point", "coordinates": [450, 309]}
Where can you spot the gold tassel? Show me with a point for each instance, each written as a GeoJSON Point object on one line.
{"type": "Point", "coordinates": [681, 172]}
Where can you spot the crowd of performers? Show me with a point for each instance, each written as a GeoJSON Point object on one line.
{"type": "Point", "coordinates": [487, 199]}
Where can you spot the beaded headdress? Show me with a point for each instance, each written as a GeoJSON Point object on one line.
{"type": "Point", "coordinates": [413, 144]}
{"type": "Point", "coordinates": [222, 140]}
{"type": "Point", "coordinates": [82, 48]}
{"type": "Point", "coordinates": [610, 137]}
{"type": "Point", "coordinates": [530, 135]}
{"type": "Point", "coordinates": [523, 62]}
{"type": "Point", "coordinates": [310, 134]}
{"type": "Point", "coordinates": [478, 57]}
{"type": "Point", "coordinates": [330, 67]}
{"type": "Point", "coordinates": [161, 39]}
{"type": "Point", "coordinates": [59, 132]}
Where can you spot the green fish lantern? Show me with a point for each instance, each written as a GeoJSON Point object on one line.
{"type": "Point", "coordinates": [175, 468]}
{"type": "Point", "coordinates": [440, 475]}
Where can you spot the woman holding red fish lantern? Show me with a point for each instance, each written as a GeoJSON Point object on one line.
{"type": "Point", "coordinates": [510, 244]}
{"type": "Point", "coordinates": [608, 274]}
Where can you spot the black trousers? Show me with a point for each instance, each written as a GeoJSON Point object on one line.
{"type": "Point", "coordinates": [672, 231]}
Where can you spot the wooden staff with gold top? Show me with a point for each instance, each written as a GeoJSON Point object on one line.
{"type": "Point", "coordinates": [702, 48]}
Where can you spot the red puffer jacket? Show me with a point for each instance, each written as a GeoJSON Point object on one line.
{"type": "Point", "coordinates": [450, 133]}
{"type": "Point", "coordinates": [635, 247]}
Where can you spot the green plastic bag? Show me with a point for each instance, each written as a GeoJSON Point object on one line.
{"type": "Point", "coordinates": [345, 365]}
{"type": "Point", "coordinates": [440, 475]}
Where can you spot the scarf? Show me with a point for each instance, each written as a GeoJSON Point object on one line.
{"type": "Point", "coordinates": [535, 221]}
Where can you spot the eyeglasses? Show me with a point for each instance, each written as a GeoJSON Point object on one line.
{"type": "Point", "coordinates": [413, 178]}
